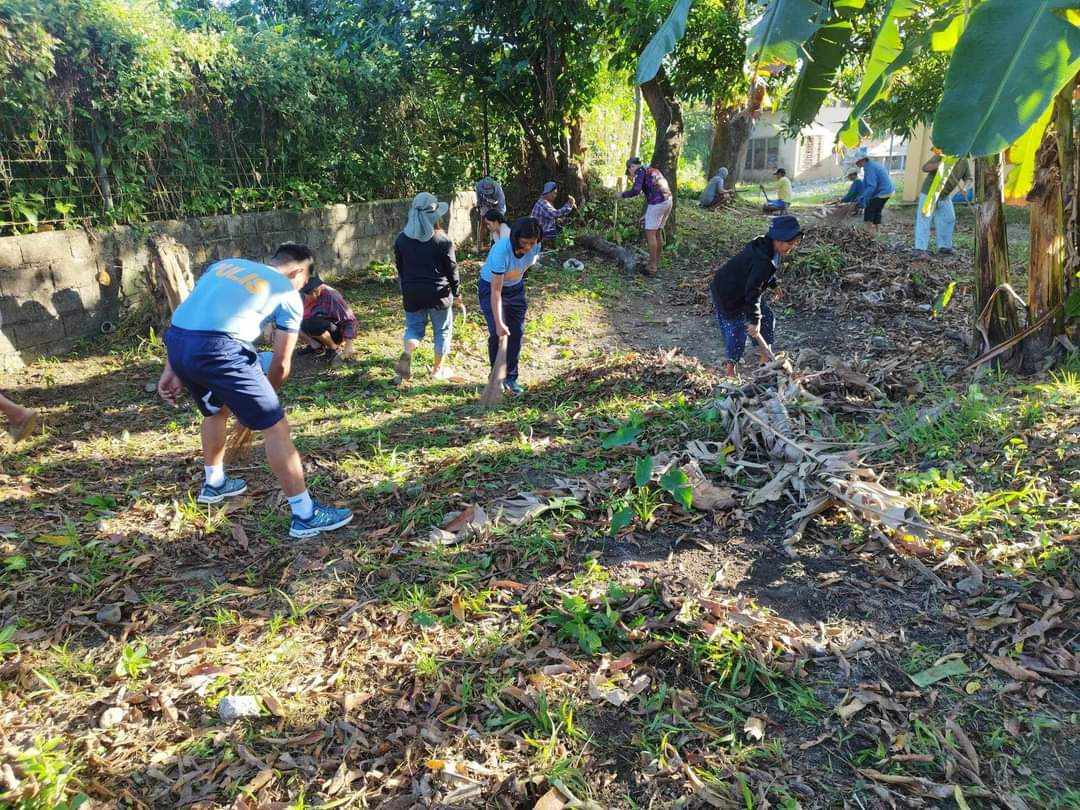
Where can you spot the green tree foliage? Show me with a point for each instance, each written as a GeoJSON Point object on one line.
{"type": "Point", "coordinates": [536, 63]}
{"type": "Point", "coordinates": [198, 110]}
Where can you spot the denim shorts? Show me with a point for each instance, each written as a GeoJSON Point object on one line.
{"type": "Point", "coordinates": [442, 326]}
{"type": "Point", "coordinates": [220, 371]}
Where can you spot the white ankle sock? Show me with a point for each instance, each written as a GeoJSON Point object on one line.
{"type": "Point", "coordinates": [302, 506]}
{"type": "Point", "coordinates": [215, 476]}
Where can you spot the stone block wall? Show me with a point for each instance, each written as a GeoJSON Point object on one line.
{"type": "Point", "coordinates": [58, 287]}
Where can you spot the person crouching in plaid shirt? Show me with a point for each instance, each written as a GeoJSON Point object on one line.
{"type": "Point", "coordinates": [545, 212]}
{"type": "Point", "coordinates": [329, 325]}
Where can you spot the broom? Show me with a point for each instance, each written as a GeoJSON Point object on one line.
{"type": "Point", "coordinates": [493, 393]}
{"type": "Point", "coordinates": [238, 444]}
{"type": "Point", "coordinates": [765, 347]}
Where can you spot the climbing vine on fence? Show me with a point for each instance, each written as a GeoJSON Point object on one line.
{"type": "Point", "coordinates": [125, 111]}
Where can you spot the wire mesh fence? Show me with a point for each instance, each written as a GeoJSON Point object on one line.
{"type": "Point", "coordinates": [51, 184]}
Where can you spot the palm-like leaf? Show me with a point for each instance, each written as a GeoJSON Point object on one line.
{"type": "Point", "coordinates": [663, 41]}
{"type": "Point", "coordinates": [823, 56]}
{"type": "Point", "coordinates": [782, 31]}
{"type": "Point", "coordinates": [1013, 59]}
{"type": "Point", "coordinates": [1022, 156]}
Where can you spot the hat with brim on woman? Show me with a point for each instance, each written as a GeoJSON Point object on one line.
{"type": "Point", "coordinates": [424, 212]}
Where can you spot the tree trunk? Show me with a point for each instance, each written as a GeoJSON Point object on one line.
{"type": "Point", "coordinates": [635, 136]}
{"type": "Point", "coordinates": [1046, 269]}
{"type": "Point", "coordinates": [992, 255]}
{"type": "Point", "coordinates": [667, 114]}
{"type": "Point", "coordinates": [731, 133]}
{"type": "Point", "coordinates": [1069, 155]}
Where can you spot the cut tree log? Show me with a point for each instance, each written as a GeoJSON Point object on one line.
{"type": "Point", "coordinates": [169, 276]}
{"type": "Point", "coordinates": [632, 261]}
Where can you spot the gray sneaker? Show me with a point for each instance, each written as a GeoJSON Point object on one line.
{"type": "Point", "coordinates": [229, 489]}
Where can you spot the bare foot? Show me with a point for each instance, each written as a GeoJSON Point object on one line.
{"type": "Point", "coordinates": [23, 429]}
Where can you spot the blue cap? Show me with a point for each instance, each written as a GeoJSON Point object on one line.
{"type": "Point", "coordinates": [549, 187]}
{"type": "Point", "coordinates": [784, 228]}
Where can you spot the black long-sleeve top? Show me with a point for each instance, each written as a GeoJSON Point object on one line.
{"type": "Point", "coordinates": [738, 285]}
{"type": "Point", "coordinates": [427, 272]}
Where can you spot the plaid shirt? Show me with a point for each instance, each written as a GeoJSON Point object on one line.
{"type": "Point", "coordinates": [330, 304]}
{"type": "Point", "coordinates": [547, 214]}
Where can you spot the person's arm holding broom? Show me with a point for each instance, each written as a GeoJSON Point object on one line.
{"type": "Point", "coordinates": [281, 363]}
{"type": "Point", "coordinates": [501, 329]}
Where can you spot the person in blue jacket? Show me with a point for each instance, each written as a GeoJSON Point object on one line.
{"type": "Point", "coordinates": [877, 188]}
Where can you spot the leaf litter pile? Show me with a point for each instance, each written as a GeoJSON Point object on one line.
{"type": "Point", "coordinates": [830, 583]}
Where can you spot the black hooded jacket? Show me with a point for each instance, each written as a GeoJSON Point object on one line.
{"type": "Point", "coordinates": [737, 286]}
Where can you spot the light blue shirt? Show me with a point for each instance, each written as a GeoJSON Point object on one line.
{"type": "Point", "coordinates": [237, 297]}
{"type": "Point", "coordinates": [876, 182]}
{"type": "Point", "coordinates": [501, 261]}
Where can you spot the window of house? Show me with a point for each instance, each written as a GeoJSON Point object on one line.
{"type": "Point", "coordinates": [762, 153]}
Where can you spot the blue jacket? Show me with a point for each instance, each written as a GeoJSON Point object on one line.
{"type": "Point", "coordinates": [854, 192]}
{"type": "Point", "coordinates": [876, 182]}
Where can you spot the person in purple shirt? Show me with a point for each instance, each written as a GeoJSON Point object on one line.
{"type": "Point", "coordinates": [651, 182]}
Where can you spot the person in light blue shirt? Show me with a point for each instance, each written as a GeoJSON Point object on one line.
{"type": "Point", "coordinates": [210, 353]}
{"type": "Point", "coordinates": [877, 188]}
{"type": "Point", "coordinates": [236, 297]}
{"type": "Point", "coordinates": [501, 290]}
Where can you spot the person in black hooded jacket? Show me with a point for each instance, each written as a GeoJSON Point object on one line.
{"type": "Point", "coordinates": [737, 288]}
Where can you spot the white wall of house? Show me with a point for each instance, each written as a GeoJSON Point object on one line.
{"type": "Point", "coordinates": [809, 156]}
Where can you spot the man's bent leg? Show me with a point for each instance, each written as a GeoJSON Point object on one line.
{"type": "Point", "coordinates": [215, 431]}
{"type": "Point", "coordinates": [309, 517]}
{"type": "Point", "coordinates": [284, 459]}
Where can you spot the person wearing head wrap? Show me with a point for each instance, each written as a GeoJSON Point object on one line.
{"type": "Point", "coordinates": [547, 215]}
{"type": "Point", "coordinates": [428, 275]}
{"type": "Point", "coordinates": [738, 286]}
{"type": "Point", "coordinates": [489, 197]}
{"type": "Point", "coordinates": [714, 192]}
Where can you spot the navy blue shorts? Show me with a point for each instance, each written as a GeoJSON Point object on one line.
{"type": "Point", "coordinates": [220, 371]}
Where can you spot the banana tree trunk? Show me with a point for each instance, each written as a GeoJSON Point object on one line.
{"type": "Point", "coordinates": [667, 115]}
{"type": "Point", "coordinates": [1069, 155]}
{"type": "Point", "coordinates": [1046, 271]}
{"type": "Point", "coordinates": [992, 256]}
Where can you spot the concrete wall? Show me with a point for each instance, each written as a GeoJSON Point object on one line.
{"type": "Point", "coordinates": [51, 290]}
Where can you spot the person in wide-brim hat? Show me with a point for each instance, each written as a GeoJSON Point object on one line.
{"type": "Point", "coordinates": [428, 275]}
{"type": "Point", "coordinates": [737, 289]}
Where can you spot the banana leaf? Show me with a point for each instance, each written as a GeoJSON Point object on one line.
{"type": "Point", "coordinates": [1011, 61]}
{"type": "Point", "coordinates": [887, 55]}
{"type": "Point", "coordinates": [663, 41]}
{"type": "Point", "coordinates": [1022, 156]}
{"type": "Point", "coordinates": [782, 31]}
{"type": "Point", "coordinates": [823, 56]}
{"type": "Point", "coordinates": [944, 169]}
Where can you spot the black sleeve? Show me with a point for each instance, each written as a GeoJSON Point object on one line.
{"type": "Point", "coordinates": [761, 274]}
{"type": "Point", "coordinates": [398, 262]}
{"type": "Point", "coordinates": [450, 268]}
